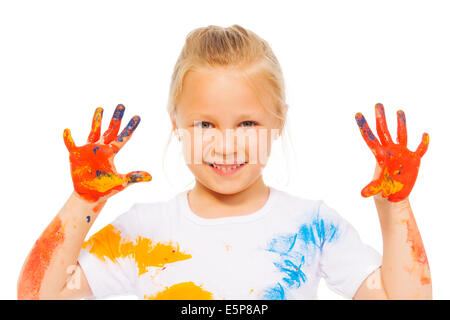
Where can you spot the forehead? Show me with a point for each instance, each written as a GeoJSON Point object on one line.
{"type": "Point", "coordinates": [218, 92]}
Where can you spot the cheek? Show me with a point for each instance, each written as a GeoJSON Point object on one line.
{"type": "Point", "coordinates": [264, 148]}
{"type": "Point", "coordinates": [190, 149]}
{"type": "Point", "coordinates": [258, 148]}
{"type": "Point", "coordinates": [198, 147]}
{"type": "Point", "coordinates": [251, 147]}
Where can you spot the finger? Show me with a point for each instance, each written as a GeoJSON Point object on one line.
{"type": "Point", "coordinates": [114, 125]}
{"type": "Point", "coordinates": [68, 141]}
{"type": "Point", "coordinates": [126, 133]}
{"type": "Point", "coordinates": [382, 129]}
{"type": "Point", "coordinates": [371, 189]}
{"type": "Point", "coordinates": [402, 137]}
{"type": "Point", "coordinates": [368, 136]}
{"type": "Point", "coordinates": [138, 176]}
{"type": "Point", "coordinates": [96, 125]}
{"type": "Point", "coordinates": [423, 146]}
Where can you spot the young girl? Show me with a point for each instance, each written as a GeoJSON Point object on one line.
{"type": "Point", "coordinates": [230, 236]}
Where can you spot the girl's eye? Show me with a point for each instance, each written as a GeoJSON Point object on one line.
{"type": "Point", "coordinates": [203, 124]}
{"type": "Point", "coordinates": [248, 123]}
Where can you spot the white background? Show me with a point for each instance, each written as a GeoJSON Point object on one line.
{"type": "Point", "coordinates": [60, 60]}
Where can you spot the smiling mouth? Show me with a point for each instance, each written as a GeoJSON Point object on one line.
{"type": "Point", "coordinates": [225, 169]}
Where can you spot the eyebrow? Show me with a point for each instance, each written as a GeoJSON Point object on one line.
{"type": "Point", "coordinates": [201, 115]}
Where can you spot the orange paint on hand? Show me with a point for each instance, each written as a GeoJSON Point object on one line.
{"type": "Point", "coordinates": [39, 259]}
{"type": "Point", "coordinates": [109, 243]}
{"type": "Point", "coordinates": [182, 291]}
{"type": "Point", "coordinates": [93, 173]}
{"type": "Point", "coordinates": [399, 165]}
{"type": "Point", "coordinates": [386, 186]}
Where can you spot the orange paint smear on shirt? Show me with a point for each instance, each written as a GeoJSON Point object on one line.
{"type": "Point", "coordinates": [182, 291]}
{"type": "Point", "coordinates": [108, 243]}
{"type": "Point", "coordinates": [39, 260]}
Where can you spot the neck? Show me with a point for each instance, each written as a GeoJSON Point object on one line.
{"type": "Point", "coordinates": [246, 201]}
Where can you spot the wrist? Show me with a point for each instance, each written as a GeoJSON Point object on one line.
{"type": "Point", "coordinates": [89, 204]}
{"type": "Point", "coordinates": [384, 205]}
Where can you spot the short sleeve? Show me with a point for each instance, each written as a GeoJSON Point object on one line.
{"type": "Point", "coordinates": [107, 271]}
{"type": "Point", "coordinates": [346, 261]}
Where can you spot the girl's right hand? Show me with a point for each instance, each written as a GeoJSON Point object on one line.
{"type": "Point", "coordinates": [93, 173]}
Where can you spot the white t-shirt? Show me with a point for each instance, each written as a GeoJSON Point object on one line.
{"type": "Point", "coordinates": [163, 250]}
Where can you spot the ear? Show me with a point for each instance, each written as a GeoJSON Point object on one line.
{"type": "Point", "coordinates": [278, 134]}
{"type": "Point", "coordinates": [281, 124]}
{"type": "Point", "coordinates": [174, 127]}
{"type": "Point", "coordinates": [279, 131]}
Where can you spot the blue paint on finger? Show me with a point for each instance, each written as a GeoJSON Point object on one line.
{"type": "Point", "coordinates": [129, 129]}
{"type": "Point", "coordinates": [118, 113]}
{"type": "Point", "coordinates": [401, 116]}
{"type": "Point", "coordinates": [364, 127]}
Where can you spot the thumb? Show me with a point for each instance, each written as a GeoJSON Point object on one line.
{"type": "Point", "coordinates": [423, 146]}
{"type": "Point", "coordinates": [137, 176]}
{"type": "Point", "coordinates": [68, 141]}
{"type": "Point", "coordinates": [371, 189]}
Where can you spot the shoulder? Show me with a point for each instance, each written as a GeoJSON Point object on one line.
{"type": "Point", "coordinates": [295, 206]}
{"type": "Point", "coordinates": [308, 212]}
{"type": "Point", "coordinates": [148, 218]}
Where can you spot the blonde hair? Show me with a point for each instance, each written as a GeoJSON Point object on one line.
{"type": "Point", "coordinates": [235, 48]}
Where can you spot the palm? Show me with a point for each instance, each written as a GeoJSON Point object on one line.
{"type": "Point", "coordinates": [94, 175]}
{"type": "Point", "coordinates": [399, 166]}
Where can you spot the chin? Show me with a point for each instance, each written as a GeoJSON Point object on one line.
{"type": "Point", "coordinates": [229, 187]}
{"type": "Point", "coordinates": [226, 190]}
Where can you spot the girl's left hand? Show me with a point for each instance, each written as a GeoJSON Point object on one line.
{"type": "Point", "coordinates": [399, 166]}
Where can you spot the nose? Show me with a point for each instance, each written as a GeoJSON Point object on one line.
{"type": "Point", "coordinates": [226, 147]}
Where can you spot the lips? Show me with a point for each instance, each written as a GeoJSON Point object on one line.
{"type": "Point", "coordinates": [225, 169]}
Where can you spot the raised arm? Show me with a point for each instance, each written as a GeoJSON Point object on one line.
{"type": "Point", "coordinates": [51, 270]}
{"type": "Point", "coordinates": [405, 272]}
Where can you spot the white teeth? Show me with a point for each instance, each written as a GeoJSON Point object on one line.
{"type": "Point", "coordinates": [226, 169]}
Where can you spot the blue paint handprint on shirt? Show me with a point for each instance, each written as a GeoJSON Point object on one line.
{"type": "Point", "coordinates": [294, 250]}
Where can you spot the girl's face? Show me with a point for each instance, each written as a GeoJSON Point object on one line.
{"type": "Point", "coordinates": [225, 130]}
